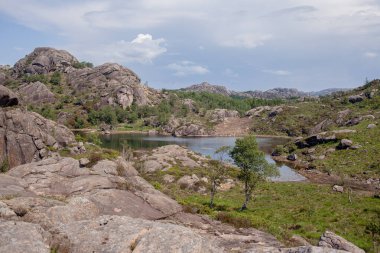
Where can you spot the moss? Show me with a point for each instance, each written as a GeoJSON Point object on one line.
{"type": "Point", "coordinates": [4, 167]}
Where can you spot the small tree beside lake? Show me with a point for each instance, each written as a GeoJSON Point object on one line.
{"type": "Point", "coordinates": [253, 165]}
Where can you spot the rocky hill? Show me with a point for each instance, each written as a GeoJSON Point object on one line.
{"type": "Point", "coordinates": [47, 79]}
{"type": "Point", "coordinates": [206, 87]}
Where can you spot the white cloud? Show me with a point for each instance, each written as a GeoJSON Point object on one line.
{"type": "Point", "coordinates": [142, 49]}
{"type": "Point", "coordinates": [279, 72]}
{"type": "Point", "coordinates": [185, 68]}
{"type": "Point", "coordinates": [370, 55]}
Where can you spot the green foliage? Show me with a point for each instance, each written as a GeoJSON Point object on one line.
{"type": "Point", "coordinates": [82, 65]}
{"type": "Point", "coordinates": [55, 78]}
{"type": "Point", "coordinates": [289, 208]}
{"type": "Point", "coordinates": [4, 167]}
{"type": "Point", "coordinates": [106, 115]}
{"type": "Point", "coordinates": [79, 122]}
{"type": "Point", "coordinates": [210, 101]}
{"type": "Point", "coordinates": [36, 78]}
{"type": "Point", "coordinates": [93, 138]}
{"type": "Point", "coordinates": [252, 163]}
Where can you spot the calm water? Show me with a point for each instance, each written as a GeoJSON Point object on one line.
{"type": "Point", "coordinates": [203, 145]}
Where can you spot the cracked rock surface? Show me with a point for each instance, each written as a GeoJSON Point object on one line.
{"type": "Point", "coordinates": [27, 136]}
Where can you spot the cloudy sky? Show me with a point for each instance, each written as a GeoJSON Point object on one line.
{"type": "Point", "coordinates": [242, 44]}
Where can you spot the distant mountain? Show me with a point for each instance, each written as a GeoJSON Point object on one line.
{"type": "Point", "coordinates": [326, 92]}
{"type": "Point", "coordinates": [206, 87]}
{"type": "Point", "coordinates": [282, 93]}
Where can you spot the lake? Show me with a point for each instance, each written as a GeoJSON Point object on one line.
{"type": "Point", "coordinates": [203, 145]}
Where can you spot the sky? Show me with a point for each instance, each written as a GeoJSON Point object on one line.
{"type": "Point", "coordinates": [243, 44]}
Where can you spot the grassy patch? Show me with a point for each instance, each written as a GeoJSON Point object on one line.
{"type": "Point", "coordinates": [284, 209]}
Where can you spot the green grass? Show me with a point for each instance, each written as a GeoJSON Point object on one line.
{"type": "Point", "coordinates": [362, 163]}
{"type": "Point", "coordinates": [285, 209]}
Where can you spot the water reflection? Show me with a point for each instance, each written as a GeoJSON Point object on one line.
{"type": "Point", "coordinates": [203, 145]}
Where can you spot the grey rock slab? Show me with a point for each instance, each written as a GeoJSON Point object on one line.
{"type": "Point", "coordinates": [21, 237]}
{"type": "Point", "coordinates": [125, 234]}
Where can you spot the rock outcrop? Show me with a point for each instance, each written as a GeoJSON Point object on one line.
{"type": "Point", "coordinates": [331, 240]}
{"type": "Point", "coordinates": [190, 129]}
{"type": "Point", "coordinates": [44, 60]}
{"type": "Point", "coordinates": [7, 97]}
{"type": "Point", "coordinates": [113, 83]}
{"type": "Point", "coordinates": [36, 93]}
{"type": "Point", "coordinates": [27, 137]}
{"type": "Point", "coordinates": [164, 157]}
{"type": "Point", "coordinates": [219, 115]}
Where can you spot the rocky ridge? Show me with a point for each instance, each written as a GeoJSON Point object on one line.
{"type": "Point", "coordinates": [275, 93]}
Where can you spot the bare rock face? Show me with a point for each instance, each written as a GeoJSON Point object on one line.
{"type": "Point", "coordinates": [7, 97]}
{"type": "Point", "coordinates": [36, 93]}
{"type": "Point", "coordinates": [115, 84]}
{"type": "Point", "coordinates": [125, 234]}
{"type": "Point", "coordinates": [331, 240]}
{"type": "Point", "coordinates": [190, 130]}
{"type": "Point", "coordinates": [27, 137]}
{"type": "Point", "coordinates": [19, 237]}
{"type": "Point", "coordinates": [44, 60]}
{"type": "Point", "coordinates": [219, 115]}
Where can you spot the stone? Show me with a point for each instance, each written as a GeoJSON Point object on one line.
{"type": "Point", "coordinates": [220, 115]}
{"type": "Point", "coordinates": [125, 234]}
{"type": "Point", "coordinates": [26, 136]}
{"type": "Point", "coordinates": [292, 157]}
{"type": "Point", "coordinates": [355, 99]}
{"type": "Point", "coordinates": [44, 60]}
{"type": "Point", "coordinates": [83, 162]}
{"type": "Point", "coordinates": [5, 211]}
{"type": "Point", "coordinates": [152, 166]}
{"type": "Point", "coordinates": [338, 188]}
{"type": "Point", "coordinates": [190, 130]}
{"type": "Point", "coordinates": [299, 241]}
{"type": "Point", "coordinates": [188, 182]}
{"type": "Point", "coordinates": [331, 240]}
{"type": "Point", "coordinates": [7, 97]}
{"type": "Point", "coordinates": [354, 121]}
{"type": "Point", "coordinates": [322, 126]}
{"type": "Point", "coordinates": [168, 179]}
{"type": "Point", "coordinates": [20, 237]}
{"type": "Point", "coordinates": [371, 126]}
{"type": "Point", "coordinates": [35, 94]}
{"type": "Point", "coordinates": [275, 111]}
{"type": "Point", "coordinates": [344, 144]}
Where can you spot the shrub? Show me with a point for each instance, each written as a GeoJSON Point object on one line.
{"type": "Point", "coordinates": [238, 222]}
{"type": "Point", "coordinates": [55, 78]}
{"type": "Point", "coordinates": [82, 65]}
{"type": "Point", "coordinates": [4, 166]}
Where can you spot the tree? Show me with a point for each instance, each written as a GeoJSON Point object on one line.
{"type": "Point", "coordinates": [253, 166]}
{"type": "Point", "coordinates": [217, 171]}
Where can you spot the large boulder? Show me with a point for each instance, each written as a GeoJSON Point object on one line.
{"type": "Point", "coordinates": [7, 97]}
{"type": "Point", "coordinates": [36, 93]}
{"type": "Point", "coordinates": [27, 137]}
{"type": "Point", "coordinates": [331, 240]}
{"type": "Point", "coordinates": [44, 60]}
{"type": "Point", "coordinates": [355, 99]}
{"type": "Point", "coordinates": [190, 130]}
